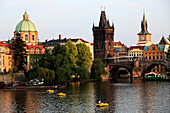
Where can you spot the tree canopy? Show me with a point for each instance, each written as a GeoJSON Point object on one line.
{"type": "Point", "coordinates": [97, 69]}
{"type": "Point", "coordinates": [19, 53]}
{"type": "Point", "coordinates": [84, 55]}
{"type": "Point", "coordinates": [71, 52]}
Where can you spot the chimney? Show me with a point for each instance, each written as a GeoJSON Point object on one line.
{"type": "Point", "coordinates": [59, 37]}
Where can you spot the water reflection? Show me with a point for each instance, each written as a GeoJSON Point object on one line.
{"type": "Point", "coordinates": [82, 97]}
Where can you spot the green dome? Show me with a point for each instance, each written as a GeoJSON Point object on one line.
{"type": "Point", "coordinates": [25, 25]}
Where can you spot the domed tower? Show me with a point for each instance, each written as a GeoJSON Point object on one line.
{"type": "Point", "coordinates": [27, 30]}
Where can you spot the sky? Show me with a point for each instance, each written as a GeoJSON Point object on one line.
{"type": "Point", "coordinates": [75, 18]}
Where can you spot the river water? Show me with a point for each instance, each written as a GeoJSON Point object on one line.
{"type": "Point", "coordinates": [151, 97]}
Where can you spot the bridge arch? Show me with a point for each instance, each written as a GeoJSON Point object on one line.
{"type": "Point", "coordinates": [114, 69]}
{"type": "Point", "coordinates": [152, 65]}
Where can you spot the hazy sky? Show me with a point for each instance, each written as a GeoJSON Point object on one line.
{"type": "Point", "coordinates": [74, 18]}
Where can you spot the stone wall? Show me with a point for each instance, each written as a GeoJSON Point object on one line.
{"type": "Point", "coordinates": [5, 78]}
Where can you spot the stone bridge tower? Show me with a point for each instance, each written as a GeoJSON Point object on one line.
{"type": "Point", "coordinates": [144, 37]}
{"type": "Point", "coordinates": [103, 38]}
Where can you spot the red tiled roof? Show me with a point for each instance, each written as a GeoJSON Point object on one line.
{"type": "Point", "coordinates": [35, 46]}
{"type": "Point", "coordinates": [137, 47]}
{"type": "Point", "coordinates": [5, 45]}
{"type": "Point", "coordinates": [117, 43]}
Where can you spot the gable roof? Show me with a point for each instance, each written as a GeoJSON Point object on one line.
{"type": "Point", "coordinates": [160, 47]}
{"type": "Point", "coordinates": [163, 41]}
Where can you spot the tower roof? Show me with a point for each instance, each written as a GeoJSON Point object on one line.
{"type": "Point", "coordinates": [103, 21]}
{"type": "Point", "coordinates": [144, 26]}
{"type": "Point", "coordinates": [25, 24]}
{"type": "Point", "coordinates": [163, 41]}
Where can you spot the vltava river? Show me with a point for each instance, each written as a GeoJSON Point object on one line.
{"type": "Point", "coordinates": [152, 97]}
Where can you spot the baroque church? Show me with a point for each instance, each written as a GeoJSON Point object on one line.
{"type": "Point", "coordinates": [29, 34]}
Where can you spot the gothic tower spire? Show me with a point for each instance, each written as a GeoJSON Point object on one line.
{"type": "Point", "coordinates": [144, 37]}
{"type": "Point", "coordinates": [103, 38]}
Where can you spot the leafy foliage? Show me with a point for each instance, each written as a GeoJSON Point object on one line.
{"type": "Point", "coordinates": [84, 55]}
{"type": "Point", "coordinates": [19, 53]}
{"type": "Point", "coordinates": [68, 60]}
{"type": "Point", "coordinates": [47, 74]}
{"type": "Point", "coordinates": [71, 52]}
{"type": "Point", "coordinates": [97, 69]}
{"type": "Point", "coordinates": [83, 72]}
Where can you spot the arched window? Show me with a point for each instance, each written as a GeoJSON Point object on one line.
{"type": "Point", "coordinates": [32, 50]}
{"type": "Point", "coordinates": [26, 37]}
{"type": "Point", "coordinates": [37, 50]}
{"type": "Point", "coordinates": [32, 37]}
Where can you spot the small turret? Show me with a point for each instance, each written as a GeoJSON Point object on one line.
{"type": "Point", "coordinates": [25, 16]}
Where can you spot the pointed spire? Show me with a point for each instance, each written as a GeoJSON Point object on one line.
{"type": "Point", "coordinates": [93, 23]}
{"type": "Point", "coordinates": [144, 25]}
{"type": "Point", "coordinates": [103, 21]}
{"type": "Point", "coordinates": [144, 15]}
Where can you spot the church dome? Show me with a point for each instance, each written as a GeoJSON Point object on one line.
{"type": "Point", "coordinates": [25, 24]}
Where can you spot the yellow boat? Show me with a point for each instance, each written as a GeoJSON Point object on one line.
{"type": "Point", "coordinates": [102, 104]}
{"type": "Point", "coordinates": [50, 91]}
{"type": "Point", "coordinates": [61, 94]}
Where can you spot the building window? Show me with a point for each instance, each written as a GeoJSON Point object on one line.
{"type": "Point", "coordinates": [153, 48]}
{"type": "Point", "coordinates": [143, 38]}
{"type": "Point", "coordinates": [37, 51]}
{"type": "Point", "coordinates": [26, 37]}
{"type": "Point", "coordinates": [32, 37]}
{"type": "Point", "coordinates": [0, 48]}
{"type": "Point", "coordinates": [157, 57]}
{"type": "Point", "coordinates": [153, 57]}
{"type": "Point", "coordinates": [0, 69]}
{"type": "Point", "coordinates": [149, 57]}
{"type": "Point", "coordinates": [0, 62]}
{"type": "Point", "coordinates": [0, 55]}
{"type": "Point", "coordinates": [161, 57]}
{"type": "Point", "coordinates": [32, 51]}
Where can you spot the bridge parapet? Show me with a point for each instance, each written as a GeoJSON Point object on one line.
{"type": "Point", "coordinates": [145, 63]}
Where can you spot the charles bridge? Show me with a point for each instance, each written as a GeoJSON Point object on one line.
{"type": "Point", "coordinates": [133, 64]}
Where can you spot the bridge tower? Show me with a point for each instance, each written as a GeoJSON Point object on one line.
{"type": "Point", "coordinates": [103, 38]}
{"type": "Point", "coordinates": [144, 37]}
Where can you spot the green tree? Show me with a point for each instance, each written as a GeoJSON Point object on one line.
{"type": "Point", "coordinates": [97, 69]}
{"type": "Point", "coordinates": [83, 73]}
{"type": "Point", "coordinates": [59, 49]}
{"type": "Point", "coordinates": [84, 55]}
{"type": "Point", "coordinates": [62, 68]}
{"type": "Point", "coordinates": [71, 52]}
{"type": "Point", "coordinates": [45, 61]}
{"type": "Point", "coordinates": [47, 74]}
{"type": "Point", "coordinates": [19, 53]}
